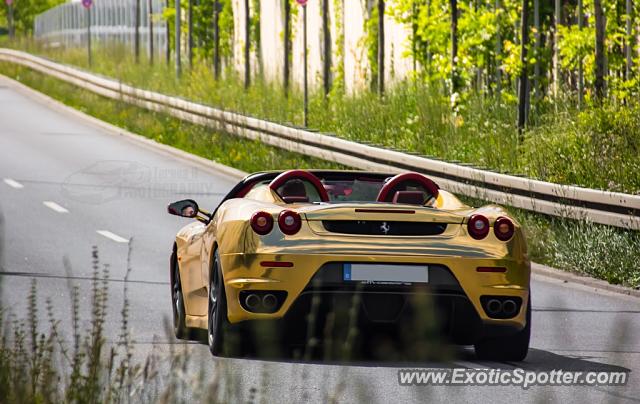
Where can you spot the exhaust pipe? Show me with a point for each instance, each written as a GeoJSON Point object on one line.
{"type": "Point", "coordinates": [494, 306]}
{"type": "Point", "coordinates": [252, 301]}
{"type": "Point", "coordinates": [509, 307]}
{"type": "Point", "coordinates": [269, 301]}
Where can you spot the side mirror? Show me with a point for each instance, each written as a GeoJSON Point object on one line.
{"type": "Point", "coordinates": [184, 208]}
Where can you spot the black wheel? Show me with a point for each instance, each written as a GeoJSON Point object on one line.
{"type": "Point", "coordinates": [217, 322]}
{"type": "Point", "coordinates": [179, 314]}
{"type": "Point", "coordinates": [512, 348]}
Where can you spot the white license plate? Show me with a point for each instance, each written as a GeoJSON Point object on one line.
{"type": "Point", "coordinates": [385, 273]}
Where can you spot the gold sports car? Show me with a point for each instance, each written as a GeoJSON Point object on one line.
{"type": "Point", "coordinates": [282, 244]}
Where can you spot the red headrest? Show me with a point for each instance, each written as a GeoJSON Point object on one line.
{"type": "Point", "coordinates": [409, 197]}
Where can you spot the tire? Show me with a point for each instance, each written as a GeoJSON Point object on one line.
{"type": "Point", "coordinates": [217, 322]}
{"type": "Point", "coordinates": [177, 302]}
{"type": "Point", "coordinates": [511, 348]}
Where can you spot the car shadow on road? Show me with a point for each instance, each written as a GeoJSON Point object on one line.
{"type": "Point", "coordinates": [541, 360]}
{"type": "Point", "coordinates": [537, 360]}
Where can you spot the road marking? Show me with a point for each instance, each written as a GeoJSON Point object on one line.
{"type": "Point", "coordinates": [13, 183]}
{"type": "Point", "coordinates": [55, 207]}
{"type": "Point", "coordinates": [112, 236]}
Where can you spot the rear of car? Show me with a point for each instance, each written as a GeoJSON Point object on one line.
{"type": "Point", "coordinates": [401, 263]}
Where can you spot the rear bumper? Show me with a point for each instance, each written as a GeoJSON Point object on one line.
{"type": "Point", "coordinates": [455, 289]}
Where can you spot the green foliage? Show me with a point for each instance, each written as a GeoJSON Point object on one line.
{"type": "Point", "coordinates": [338, 89]}
{"type": "Point", "coordinates": [203, 32]}
{"type": "Point", "coordinates": [25, 12]}
{"type": "Point", "coordinates": [371, 43]}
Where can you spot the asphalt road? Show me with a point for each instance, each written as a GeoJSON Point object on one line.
{"type": "Point", "coordinates": [65, 187]}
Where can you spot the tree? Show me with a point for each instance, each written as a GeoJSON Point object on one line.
{"type": "Point", "coordinates": [600, 56]}
{"type": "Point", "coordinates": [25, 12]}
{"type": "Point", "coordinates": [523, 91]}
{"type": "Point", "coordinates": [326, 48]}
{"type": "Point", "coordinates": [381, 46]}
{"type": "Point", "coordinates": [287, 45]}
{"type": "Point", "coordinates": [453, 7]}
{"type": "Point", "coordinates": [247, 45]}
{"type": "Point", "coordinates": [556, 48]}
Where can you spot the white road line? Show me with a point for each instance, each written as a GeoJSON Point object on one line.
{"type": "Point", "coordinates": [55, 207]}
{"type": "Point", "coordinates": [112, 236]}
{"type": "Point", "coordinates": [13, 183]}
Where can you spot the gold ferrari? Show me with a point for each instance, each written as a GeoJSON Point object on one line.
{"type": "Point", "coordinates": [284, 244]}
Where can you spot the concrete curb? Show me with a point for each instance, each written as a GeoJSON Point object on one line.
{"type": "Point", "coordinates": [536, 269]}
{"type": "Point", "coordinates": [110, 129]}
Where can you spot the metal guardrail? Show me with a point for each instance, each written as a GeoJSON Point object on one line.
{"type": "Point", "coordinates": [610, 208]}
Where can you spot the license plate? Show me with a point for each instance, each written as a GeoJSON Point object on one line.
{"type": "Point", "coordinates": [386, 273]}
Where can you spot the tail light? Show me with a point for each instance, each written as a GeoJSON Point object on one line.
{"type": "Point", "coordinates": [503, 228]}
{"type": "Point", "coordinates": [289, 222]}
{"type": "Point", "coordinates": [262, 223]}
{"type": "Point", "coordinates": [478, 227]}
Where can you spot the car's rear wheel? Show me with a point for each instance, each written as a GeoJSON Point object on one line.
{"type": "Point", "coordinates": [217, 322]}
{"type": "Point", "coordinates": [179, 314]}
{"type": "Point", "coordinates": [512, 348]}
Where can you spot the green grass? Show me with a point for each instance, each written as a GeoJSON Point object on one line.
{"type": "Point", "coordinates": [603, 252]}
{"type": "Point", "coordinates": [598, 147]}
{"type": "Point", "coordinates": [596, 250]}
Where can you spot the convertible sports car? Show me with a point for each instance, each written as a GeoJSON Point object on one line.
{"type": "Point", "coordinates": [282, 245]}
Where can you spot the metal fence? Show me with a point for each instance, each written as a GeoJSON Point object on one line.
{"type": "Point", "coordinates": [112, 21]}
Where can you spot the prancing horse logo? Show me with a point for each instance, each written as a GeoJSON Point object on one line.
{"type": "Point", "coordinates": [384, 227]}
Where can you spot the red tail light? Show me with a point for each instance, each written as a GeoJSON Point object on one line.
{"type": "Point", "coordinates": [503, 228]}
{"type": "Point", "coordinates": [478, 227]}
{"type": "Point", "coordinates": [262, 223]}
{"type": "Point", "coordinates": [289, 222]}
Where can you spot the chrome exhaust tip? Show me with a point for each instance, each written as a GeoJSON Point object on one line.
{"type": "Point", "coordinates": [269, 301]}
{"type": "Point", "coordinates": [252, 301]}
{"type": "Point", "coordinates": [509, 307]}
{"type": "Point", "coordinates": [494, 306]}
